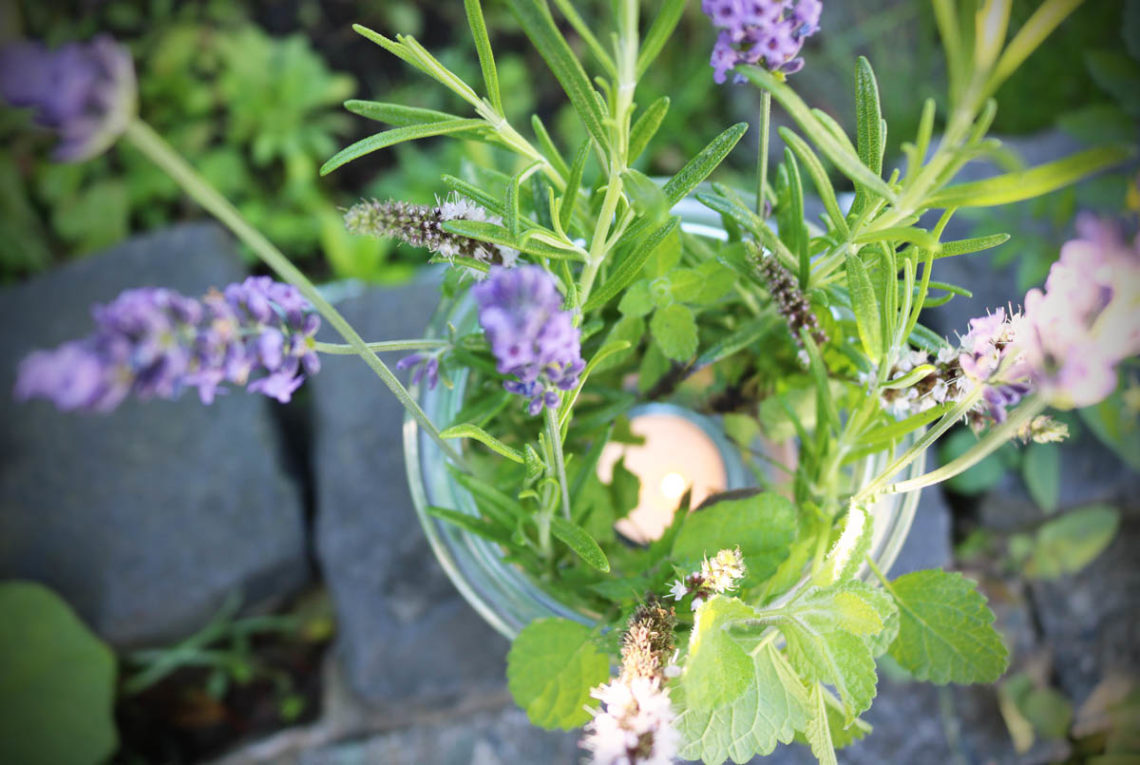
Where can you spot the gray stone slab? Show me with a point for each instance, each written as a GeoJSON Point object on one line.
{"type": "Point", "coordinates": [144, 518]}
{"type": "Point", "coordinates": [404, 632]}
{"type": "Point", "coordinates": [502, 737]}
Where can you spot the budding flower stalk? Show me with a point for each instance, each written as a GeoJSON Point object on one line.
{"type": "Point", "coordinates": [790, 301]}
{"type": "Point", "coordinates": [421, 226]}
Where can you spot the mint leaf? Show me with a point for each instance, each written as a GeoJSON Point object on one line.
{"type": "Point", "coordinates": [636, 301]}
{"type": "Point", "coordinates": [767, 702]}
{"type": "Point", "coordinates": [770, 710]}
{"type": "Point", "coordinates": [762, 525]}
{"type": "Point", "coordinates": [675, 331]}
{"type": "Point", "coordinates": [833, 656]}
{"type": "Point", "coordinates": [818, 730]}
{"type": "Point", "coordinates": [551, 667]}
{"type": "Point", "coordinates": [717, 669]}
{"type": "Point", "coordinates": [945, 629]}
{"type": "Point", "coordinates": [1067, 544]}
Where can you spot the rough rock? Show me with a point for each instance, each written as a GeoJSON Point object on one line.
{"type": "Point", "coordinates": [500, 737]}
{"type": "Point", "coordinates": [404, 632]}
{"type": "Point", "coordinates": [1090, 620]}
{"type": "Point", "coordinates": [144, 518]}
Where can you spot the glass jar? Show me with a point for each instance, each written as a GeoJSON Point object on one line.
{"type": "Point", "coordinates": [501, 592]}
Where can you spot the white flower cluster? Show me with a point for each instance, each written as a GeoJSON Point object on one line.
{"type": "Point", "coordinates": [717, 576]}
{"type": "Point", "coordinates": [456, 207]}
{"type": "Point", "coordinates": [943, 384]}
{"type": "Point", "coordinates": [636, 726]}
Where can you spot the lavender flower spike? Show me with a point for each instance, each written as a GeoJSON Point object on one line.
{"type": "Point", "coordinates": [155, 343]}
{"type": "Point", "coordinates": [767, 33]}
{"type": "Point", "coordinates": [86, 92]}
{"type": "Point", "coordinates": [531, 337]}
{"type": "Point", "coordinates": [1087, 320]}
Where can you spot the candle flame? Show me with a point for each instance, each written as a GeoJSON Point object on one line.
{"type": "Point", "coordinates": [673, 485]}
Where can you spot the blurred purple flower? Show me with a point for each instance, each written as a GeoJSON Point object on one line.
{"type": "Point", "coordinates": [85, 92]}
{"type": "Point", "coordinates": [1087, 320]}
{"type": "Point", "coordinates": [531, 337]}
{"type": "Point", "coordinates": [767, 33]}
{"type": "Point", "coordinates": [426, 365]}
{"type": "Point", "coordinates": [988, 357]}
{"type": "Point", "coordinates": [154, 343]}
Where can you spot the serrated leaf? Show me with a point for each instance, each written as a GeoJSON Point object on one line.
{"type": "Point", "coordinates": [717, 669]}
{"type": "Point", "coordinates": [768, 711]}
{"type": "Point", "coordinates": [580, 542]}
{"type": "Point", "coordinates": [762, 525]}
{"type": "Point", "coordinates": [551, 667]}
{"type": "Point", "coordinates": [675, 331]}
{"type": "Point", "coordinates": [818, 729]}
{"type": "Point", "coordinates": [1067, 544]}
{"type": "Point", "coordinates": [946, 630]}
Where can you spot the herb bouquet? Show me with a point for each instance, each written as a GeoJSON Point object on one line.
{"type": "Point", "coordinates": [757, 617]}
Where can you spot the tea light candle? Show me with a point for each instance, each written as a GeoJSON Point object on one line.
{"type": "Point", "coordinates": [677, 455]}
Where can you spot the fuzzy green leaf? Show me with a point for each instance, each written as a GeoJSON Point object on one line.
{"type": "Point", "coordinates": [664, 22]}
{"type": "Point", "coordinates": [1041, 471]}
{"type": "Point", "coordinates": [701, 166]}
{"type": "Point", "coordinates": [772, 706]}
{"type": "Point", "coordinates": [470, 524]}
{"type": "Point", "coordinates": [946, 630]}
{"type": "Point", "coordinates": [975, 244]}
{"type": "Point", "coordinates": [537, 22]}
{"type": "Point", "coordinates": [467, 430]}
{"type": "Point", "coordinates": [630, 267]}
{"type": "Point", "coordinates": [483, 49]}
{"type": "Point", "coordinates": [1027, 184]}
{"type": "Point", "coordinates": [868, 116]}
{"type": "Point", "coordinates": [675, 331]}
{"type": "Point", "coordinates": [1067, 544]}
{"type": "Point", "coordinates": [551, 667]}
{"type": "Point", "coordinates": [646, 127]}
{"type": "Point", "coordinates": [866, 308]}
{"type": "Point", "coordinates": [818, 730]}
{"type": "Point", "coordinates": [840, 155]}
{"type": "Point", "coordinates": [398, 135]}
{"type": "Point", "coordinates": [762, 525]}
{"type": "Point", "coordinates": [396, 114]}
{"type": "Point", "coordinates": [580, 542]}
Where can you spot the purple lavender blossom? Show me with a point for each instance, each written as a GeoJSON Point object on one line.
{"type": "Point", "coordinates": [531, 337]}
{"type": "Point", "coordinates": [83, 91]}
{"type": "Point", "coordinates": [1087, 320]}
{"type": "Point", "coordinates": [426, 366]}
{"type": "Point", "coordinates": [155, 343]}
{"type": "Point", "coordinates": [767, 33]}
{"type": "Point", "coordinates": [989, 357]}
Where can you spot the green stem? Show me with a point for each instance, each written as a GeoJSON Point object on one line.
{"type": "Point", "coordinates": [881, 576]}
{"type": "Point", "coordinates": [921, 445]}
{"type": "Point", "coordinates": [994, 439]}
{"type": "Point", "coordinates": [151, 144]}
{"type": "Point", "coordinates": [762, 157]}
{"type": "Point", "coordinates": [343, 349]}
{"type": "Point", "coordinates": [554, 434]}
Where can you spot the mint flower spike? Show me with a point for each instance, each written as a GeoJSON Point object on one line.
{"type": "Point", "coordinates": [636, 724]}
{"type": "Point", "coordinates": [1087, 320]}
{"type": "Point", "coordinates": [420, 226]}
{"type": "Point", "coordinates": [531, 336]}
{"type": "Point", "coordinates": [767, 33]}
{"type": "Point", "coordinates": [85, 92]}
{"type": "Point", "coordinates": [155, 343]}
{"type": "Point", "coordinates": [718, 575]}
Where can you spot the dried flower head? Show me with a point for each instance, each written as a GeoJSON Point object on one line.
{"type": "Point", "coordinates": [790, 300]}
{"type": "Point", "coordinates": [648, 641]}
{"type": "Point", "coordinates": [1043, 429]}
{"type": "Point", "coordinates": [531, 337]}
{"type": "Point", "coordinates": [85, 92]}
{"type": "Point", "coordinates": [767, 33]}
{"type": "Point", "coordinates": [421, 226]}
{"type": "Point", "coordinates": [720, 574]}
{"type": "Point", "coordinates": [154, 343]}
